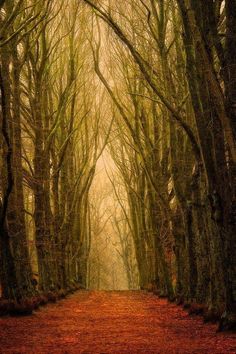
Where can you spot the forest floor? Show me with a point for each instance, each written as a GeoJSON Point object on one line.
{"type": "Point", "coordinates": [112, 322]}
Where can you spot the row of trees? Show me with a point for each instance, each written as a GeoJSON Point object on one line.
{"type": "Point", "coordinates": [171, 75]}
{"type": "Point", "coordinates": [49, 146]}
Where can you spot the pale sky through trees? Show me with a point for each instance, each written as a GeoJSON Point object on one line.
{"type": "Point", "coordinates": [106, 268]}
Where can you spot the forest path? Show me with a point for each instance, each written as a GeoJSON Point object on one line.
{"type": "Point", "coordinates": [112, 322]}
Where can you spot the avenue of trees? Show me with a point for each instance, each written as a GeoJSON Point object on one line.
{"type": "Point", "coordinates": [168, 71]}
{"type": "Point", "coordinates": [171, 75]}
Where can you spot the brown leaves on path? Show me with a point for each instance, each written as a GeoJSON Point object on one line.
{"type": "Point", "coordinates": [112, 322]}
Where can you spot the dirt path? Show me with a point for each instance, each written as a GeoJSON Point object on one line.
{"type": "Point", "coordinates": [114, 322]}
